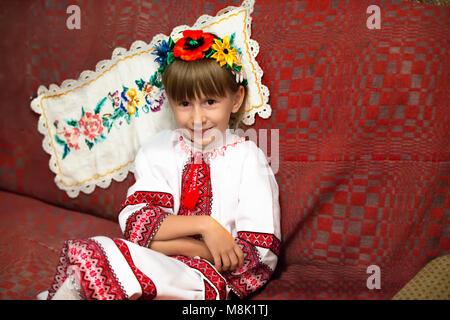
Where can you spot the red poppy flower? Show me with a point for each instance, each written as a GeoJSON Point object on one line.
{"type": "Point", "coordinates": [193, 45]}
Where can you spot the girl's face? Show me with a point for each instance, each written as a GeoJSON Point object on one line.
{"type": "Point", "coordinates": [201, 117]}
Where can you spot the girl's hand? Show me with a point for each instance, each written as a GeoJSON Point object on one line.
{"type": "Point", "coordinates": [226, 253]}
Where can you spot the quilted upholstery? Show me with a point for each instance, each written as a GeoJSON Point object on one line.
{"type": "Point", "coordinates": [431, 283]}
{"type": "Point", "coordinates": [363, 119]}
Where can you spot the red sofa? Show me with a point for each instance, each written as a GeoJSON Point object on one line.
{"type": "Point", "coordinates": [364, 120]}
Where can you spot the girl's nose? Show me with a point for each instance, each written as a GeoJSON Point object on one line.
{"type": "Point", "coordinates": [198, 117]}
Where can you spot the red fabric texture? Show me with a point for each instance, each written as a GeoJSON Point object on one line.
{"type": "Point", "coordinates": [363, 119]}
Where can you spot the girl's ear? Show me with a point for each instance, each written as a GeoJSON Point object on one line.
{"type": "Point", "coordinates": [238, 99]}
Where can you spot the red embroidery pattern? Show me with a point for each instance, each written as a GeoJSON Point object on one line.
{"type": "Point", "coordinates": [221, 151]}
{"type": "Point", "coordinates": [210, 292]}
{"type": "Point", "coordinates": [91, 267]}
{"type": "Point", "coordinates": [265, 240]}
{"type": "Point", "coordinates": [208, 271]}
{"type": "Point", "coordinates": [191, 193]}
{"type": "Point", "coordinates": [147, 285]}
{"type": "Point", "coordinates": [161, 199]}
{"type": "Point", "coordinates": [214, 153]}
{"type": "Point", "coordinates": [205, 194]}
{"type": "Point", "coordinates": [142, 225]}
{"type": "Point", "coordinates": [252, 276]}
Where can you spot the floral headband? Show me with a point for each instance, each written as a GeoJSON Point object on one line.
{"type": "Point", "coordinates": [197, 45]}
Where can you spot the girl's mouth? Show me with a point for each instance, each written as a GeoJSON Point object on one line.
{"type": "Point", "coordinates": [201, 132]}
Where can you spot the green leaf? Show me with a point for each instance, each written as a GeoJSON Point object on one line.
{"type": "Point", "coordinates": [210, 53]}
{"type": "Point", "coordinates": [232, 37]}
{"type": "Point", "coordinates": [171, 43]}
{"type": "Point", "coordinates": [117, 114]}
{"type": "Point", "coordinates": [72, 123]}
{"type": "Point", "coordinates": [99, 138]}
{"type": "Point", "coordinates": [154, 80]}
{"type": "Point", "coordinates": [127, 118]}
{"type": "Point", "coordinates": [99, 106]}
{"type": "Point", "coordinates": [66, 151]}
{"type": "Point", "coordinates": [110, 126]}
{"type": "Point", "coordinates": [59, 140]}
{"type": "Point", "coordinates": [237, 68]}
{"type": "Point", "coordinates": [89, 144]}
{"type": "Point", "coordinates": [170, 58]}
{"type": "Point", "coordinates": [105, 122]}
{"type": "Point", "coordinates": [82, 112]}
{"type": "Point", "coordinates": [140, 83]}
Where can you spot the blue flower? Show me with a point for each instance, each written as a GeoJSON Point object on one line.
{"type": "Point", "coordinates": [162, 52]}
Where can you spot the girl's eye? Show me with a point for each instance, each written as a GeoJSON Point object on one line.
{"type": "Point", "coordinates": [184, 103]}
{"type": "Point", "coordinates": [210, 102]}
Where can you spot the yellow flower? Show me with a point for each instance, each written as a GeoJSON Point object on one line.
{"type": "Point", "coordinates": [137, 99]}
{"type": "Point", "coordinates": [224, 54]}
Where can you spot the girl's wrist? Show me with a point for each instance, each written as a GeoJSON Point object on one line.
{"type": "Point", "coordinates": [204, 224]}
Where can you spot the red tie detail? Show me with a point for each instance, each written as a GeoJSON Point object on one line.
{"type": "Point", "coordinates": [191, 190]}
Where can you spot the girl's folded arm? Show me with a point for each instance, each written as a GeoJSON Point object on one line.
{"type": "Point", "coordinates": [175, 226]}
{"type": "Point", "coordinates": [186, 246]}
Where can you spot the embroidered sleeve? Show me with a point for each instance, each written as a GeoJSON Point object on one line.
{"type": "Point", "coordinates": [150, 200]}
{"type": "Point", "coordinates": [257, 225]}
{"type": "Point", "coordinates": [260, 255]}
{"type": "Point", "coordinates": [142, 214]}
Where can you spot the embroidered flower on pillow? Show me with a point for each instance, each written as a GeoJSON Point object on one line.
{"type": "Point", "coordinates": [136, 100]}
{"type": "Point", "coordinates": [91, 126]}
{"type": "Point", "coordinates": [72, 135]}
{"type": "Point", "coordinates": [94, 127]}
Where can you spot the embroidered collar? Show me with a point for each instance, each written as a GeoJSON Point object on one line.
{"type": "Point", "coordinates": [212, 150]}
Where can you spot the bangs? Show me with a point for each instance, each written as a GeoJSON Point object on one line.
{"type": "Point", "coordinates": [184, 80]}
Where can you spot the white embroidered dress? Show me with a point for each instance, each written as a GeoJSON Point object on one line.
{"type": "Point", "coordinates": [237, 188]}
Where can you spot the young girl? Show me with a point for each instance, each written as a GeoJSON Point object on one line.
{"type": "Point", "coordinates": [202, 219]}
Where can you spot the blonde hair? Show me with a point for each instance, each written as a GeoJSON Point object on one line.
{"type": "Point", "coordinates": [186, 80]}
